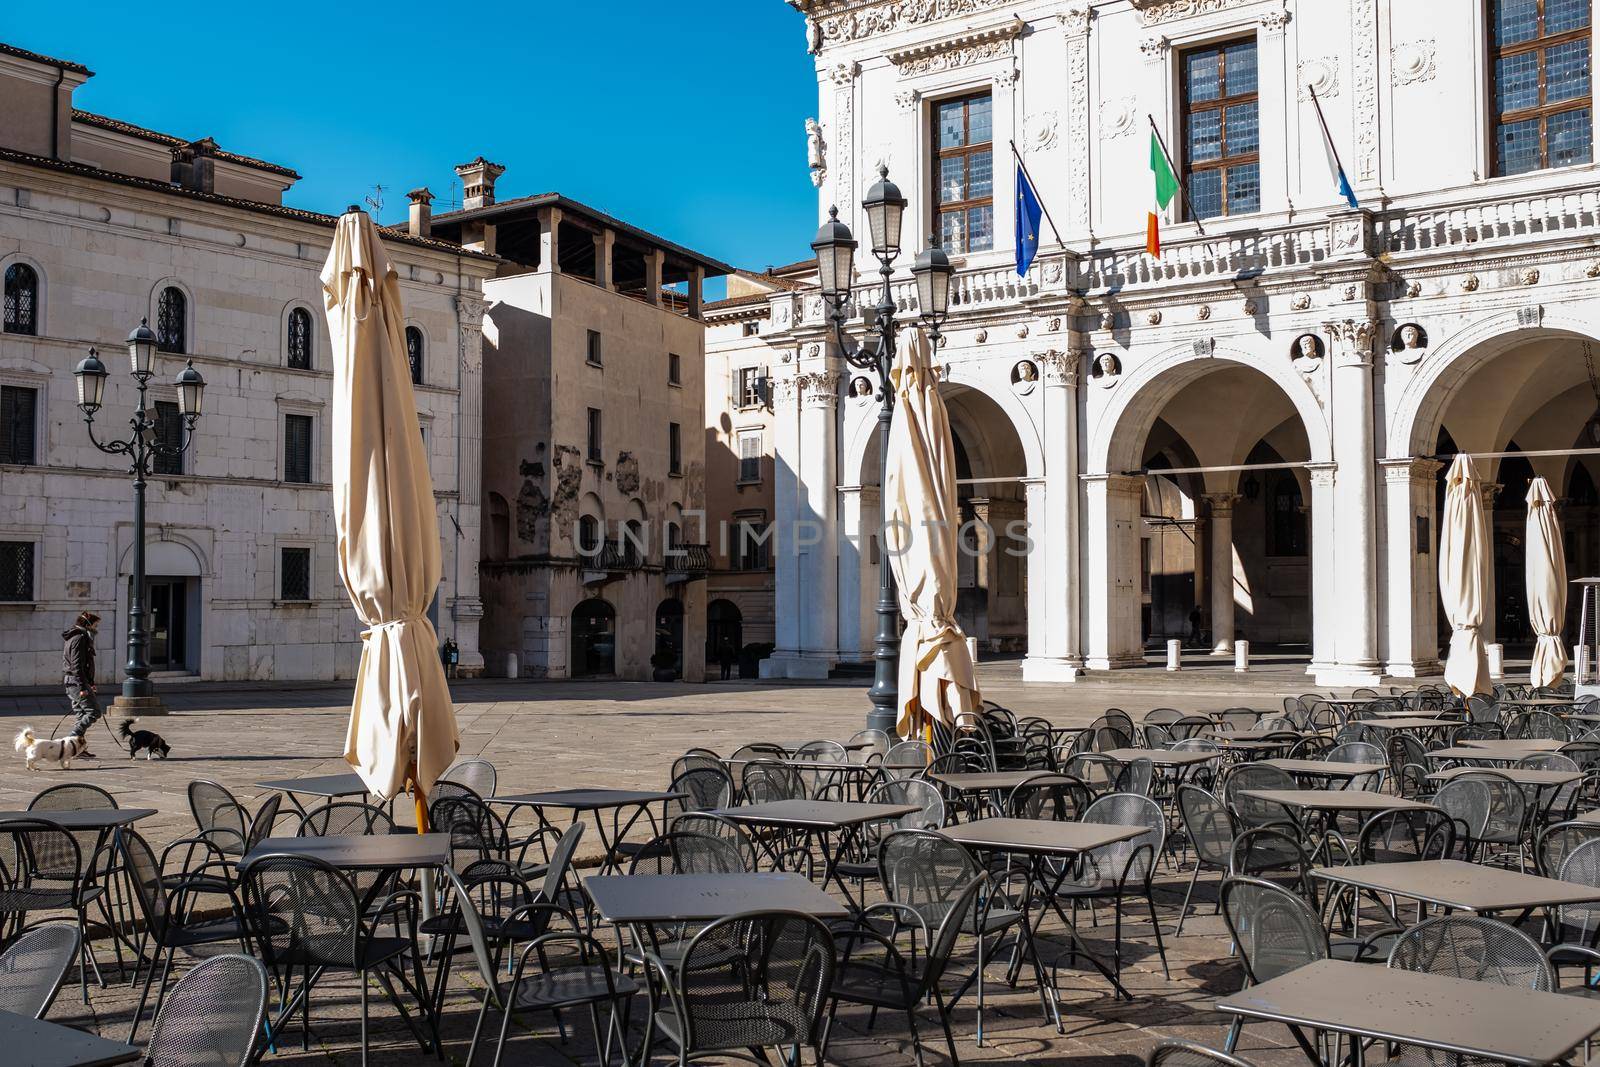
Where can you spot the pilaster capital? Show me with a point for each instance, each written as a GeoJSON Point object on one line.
{"type": "Point", "coordinates": [1058, 369]}
{"type": "Point", "coordinates": [819, 389]}
{"type": "Point", "coordinates": [1490, 490]}
{"type": "Point", "coordinates": [1351, 341]}
{"type": "Point", "coordinates": [1410, 470]}
{"type": "Point", "coordinates": [1222, 503]}
{"type": "Point", "coordinates": [1321, 474]}
{"type": "Point", "coordinates": [469, 309]}
{"type": "Point", "coordinates": [785, 392]}
{"type": "Point", "coordinates": [1077, 19]}
{"type": "Point", "coordinates": [1116, 484]}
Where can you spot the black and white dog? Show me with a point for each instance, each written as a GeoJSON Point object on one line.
{"type": "Point", "coordinates": [147, 741]}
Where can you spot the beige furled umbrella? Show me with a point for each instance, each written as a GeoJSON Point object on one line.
{"type": "Point", "coordinates": [922, 520]}
{"type": "Point", "coordinates": [402, 724]}
{"type": "Point", "coordinates": [1547, 585]}
{"type": "Point", "coordinates": [1464, 577]}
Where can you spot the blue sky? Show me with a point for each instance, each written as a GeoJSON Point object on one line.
{"type": "Point", "coordinates": [687, 120]}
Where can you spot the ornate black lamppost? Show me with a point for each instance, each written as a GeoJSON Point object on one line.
{"type": "Point", "coordinates": [141, 446]}
{"type": "Point", "coordinates": [835, 249]}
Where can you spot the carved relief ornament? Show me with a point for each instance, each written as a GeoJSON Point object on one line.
{"type": "Point", "coordinates": [890, 15]}
{"type": "Point", "coordinates": [962, 50]}
{"type": "Point", "coordinates": [1155, 12]}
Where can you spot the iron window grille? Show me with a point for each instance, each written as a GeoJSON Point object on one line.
{"type": "Point", "coordinates": [19, 407]}
{"type": "Point", "coordinates": [674, 448]}
{"type": "Point", "coordinates": [16, 571]}
{"type": "Point", "coordinates": [21, 300]}
{"type": "Point", "coordinates": [297, 448]}
{"type": "Point", "coordinates": [169, 434]}
{"type": "Point", "coordinates": [300, 339]}
{"type": "Point", "coordinates": [414, 353]}
{"type": "Point", "coordinates": [295, 574]}
{"type": "Point", "coordinates": [172, 320]}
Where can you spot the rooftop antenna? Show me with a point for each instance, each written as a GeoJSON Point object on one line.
{"type": "Point", "coordinates": [375, 201]}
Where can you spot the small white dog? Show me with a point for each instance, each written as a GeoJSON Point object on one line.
{"type": "Point", "coordinates": [34, 749]}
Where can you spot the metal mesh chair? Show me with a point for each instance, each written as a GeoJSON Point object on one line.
{"type": "Point", "coordinates": [1238, 718]}
{"type": "Point", "coordinates": [1408, 765]}
{"type": "Point", "coordinates": [1209, 827]}
{"type": "Point", "coordinates": [99, 862]}
{"type": "Point", "coordinates": [48, 873]}
{"type": "Point", "coordinates": [1508, 811]}
{"type": "Point", "coordinates": [907, 758]}
{"type": "Point", "coordinates": [306, 916]}
{"type": "Point", "coordinates": [713, 825]}
{"type": "Point", "coordinates": [1175, 1053]}
{"type": "Point", "coordinates": [1137, 776]}
{"type": "Point", "coordinates": [1059, 797]}
{"type": "Point", "coordinates": [1113, 871]}
{"type": "Point", "coordinates": [1476, 949]}
{"type": "Point", "coordinates": [764, 781]}
{"type": "Point", "coordinates": [1360, 752]}
{"type": "Point", "coordinates": [758, 750]}
{"type": "Point", "coordinates": [1192, 726]}
{"type": "Point", "coordinates": [1275, 930]}
{"type": "Point", "coordinates": [1482, 709]}
{"type": "Point", "coordinates": [1156, 735]}
{"type": "Point", "coordinates": [1539, 725]}
{"type": "Point", "coordinates": [476, 773]}
{"type": "Point", "coordinates": [219, 816]}
{"type": "Point", "coordinates": [712, 1006]}
{"type": "Point", "coordinates": [1406, 834]}
{"type": "Point", "coordinates": [212, 1016]}
{"type": "Point", "coordinates": [1251, 812]}
{"type": "Point", "coordinates": [1093, 770]}
{"type": "Point", "coordinates": [34, 965]}
{"type": "Point", "coordinates": [1577, 926]}
{"type": "Point", "coordinates": [901, 983]}
{"type": "Point", "coordinates": [877, 743]}
{"type": "Point", "coordinates": [1272, 850]}
{"type": "Point", "coordinates": [1467, 801]}
{"type": "Point", "coordinates": [1558, 804]}
{"type": "Point", "coordinates": [861, 861]}
{"type": "Point", "coordinates": [695, 759]}
{"type": "Point", "coordinates": [1556, 841]}
{"type": "Point", "coordinates": [1161, 716]}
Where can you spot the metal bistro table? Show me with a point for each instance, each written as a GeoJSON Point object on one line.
{"type": "Point", "coordinates": [1480, 1019]}
{"type": "Point", "coordinates": [1458, 886]}
{"type": "Point", "coordinates": [817, 819]}
{"type": "Point", "coordinates": [326, 786]}
{"type": "Point", "coordinates": [1326, 802]}
{"type": "Point", "coordinates": [642, 899]}
{"type": "Point", "coordinates": [1327, 770]}
{"type": "Point", "coordinates": [860, 775]}
{"type": "Point", "coordinates": [1525, 746]}
{"type": "Point", "coordinates": [36, 1043]}
{"type": "Point", "coordinates": [1481, 755]}
{"type": "Point", "coordinates": [1409, 722]}
{"type": "Point", "coordinates": [994, 783]}
{"type": "Point", "coordinates": [1039, 840]}
{"type": "Point", "coordinates": [579, 801]}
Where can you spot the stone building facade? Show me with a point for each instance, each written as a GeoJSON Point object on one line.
{"type": "Point", "coordinates": [595, 549]}
{"type": "Point", "coordinates": [102, 224]}
{"type": "Point", "coordinates": [1242, 437]}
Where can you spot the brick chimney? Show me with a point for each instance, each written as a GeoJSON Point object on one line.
{"type": "Point", "coordinates": [477, 182]}
{"type": "Point", "coordinates": [421, 223]}
{"type": "Point", "coordinates": [193, 166]}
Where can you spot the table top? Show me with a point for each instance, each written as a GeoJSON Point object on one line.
{"type": "Point", "coordinates": [1520, 775]}
{"type": "Point", "coordinates": [1161, 757]}
{"type": "Point", "coordinates": [1484, 1019]}
{"type": "Point", "coordinates": [1256, 737]}
{"type": "Point", "coordinates": [978, 781]}
{"type": "Point", "coordinates": [1041, 836]}
{"type": "Point", "coordinates": [84, 819]}
{"type": "Point", "coordinates": [1527, 745]}
{"type": "Point", "coordinates": [664, 898]}
{"type": "Point", "coordinates": [1588, 818]}
{"type": "Point", "coordinates": [799, 764]}
{"type": "Point", "coordinates": [1482, 755]}
{"type": "Point", "coordinates": [1407, 722]}
{"type": "Point", "coordinates": [1461, 886]}
{"type": "Point", "coordinates": [37, 1043]}
{"type": "Point", "coordinates": [326, 785]}
{"type": "Point", "coordinates": [586, 799]}
{"type": "Point", "coordinates": [815, 814]}
{"type": "Point", "coordinates": [1542, 702]}
{"type": "Point", "coordinates": [1334, 799]}
{"type": "Point", "coordinates": [1316, 768]}
{"type": "Point", "coordinates": [1404, 713]}
{"type": "Point", "coordinates": [361, 852]}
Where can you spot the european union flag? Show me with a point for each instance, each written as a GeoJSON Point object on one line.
{"type": "Point", "coordinates": [1030, 211]}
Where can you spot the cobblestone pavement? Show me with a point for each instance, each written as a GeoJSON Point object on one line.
{"type": "Point", "coordinates": [557, 735]}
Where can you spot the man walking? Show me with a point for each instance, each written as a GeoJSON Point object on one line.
{"type": "Point", "coordinates": [77, 669]}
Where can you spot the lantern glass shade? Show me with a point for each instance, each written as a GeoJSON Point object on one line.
{"type": "Point", "coordinates": [91, 376]}
{"type": "Point", "coordinates": [836, 251]}
{"type": "Point", "coordinates": [191, 391]}
{"type": "Point", "coordinates": [142, 347]}
{"type": "Point", "coordinates": [932, 270]}
{"type": "Point", "coordinates": [886, 209]}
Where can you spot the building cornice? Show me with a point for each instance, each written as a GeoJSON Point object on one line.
{"type": "Point", "coordinates": [844, 22]}
{"type": "Point", "coordinates": [977, 43]}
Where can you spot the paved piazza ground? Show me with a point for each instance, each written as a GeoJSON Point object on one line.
{"type": "Point", "coordinates": [565, 734]}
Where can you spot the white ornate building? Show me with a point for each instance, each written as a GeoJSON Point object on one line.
{"type": "Point", "coordinates": [1253, 423]}
{"type": "Point", "coordinates": [103, 223]}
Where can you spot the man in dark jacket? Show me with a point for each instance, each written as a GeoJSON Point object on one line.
{"type": "Point", "coordinates": [77, 670]}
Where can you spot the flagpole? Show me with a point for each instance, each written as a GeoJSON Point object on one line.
{"type": "Point", "coordinates": [1053, 229]}
{"type": "Point", "coordinates": [1183, 186]}
{"type": "Point", "coordinates": [1327, 135]}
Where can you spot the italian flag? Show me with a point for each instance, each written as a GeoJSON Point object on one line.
{"type": "Point", "coordinates": [1166, 189]}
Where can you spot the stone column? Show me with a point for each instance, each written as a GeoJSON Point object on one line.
{"type": "Point", "coordinates": [697, 289]}
{"type": "Point", "coordinates": [550, 240]}
{"type": "Point", "coordinates": [787, 603]}
{"type": "Point", "coordinates": [816, 542]}
{"type": "Point", "coordinates": [1355, 507]}
{"type": "Point", "coordinates": [1324, 580]}
{"type": "Point", "coordinates": [858, 577]}
{"type": "Point", "coordinates": [1222, 572]}
{"type": "Point", "coordinates": [466, 606]}
{"type": "Point", "coordinates": [654, 264]}
{"type": "Point", "coordinates": [1054, 635]}
{"type": "Point", "coordinates": [1412, 603]}
{"type": "Point", "coordinates": [605, 243]}
{"type": "Point", "coordinates": [1112, 571]}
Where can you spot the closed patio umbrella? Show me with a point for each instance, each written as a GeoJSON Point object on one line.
{"type": "Point", "coordinates": [1463, 577]}
{"type": "Point", "coordinates": [1547, 585]}
{"type": "Point", "coordinates": [402, 724]}
{"type": "Point", "coordinates": [922, 519]}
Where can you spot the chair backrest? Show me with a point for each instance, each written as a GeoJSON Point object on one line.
{"type": "Point", "coordinates": [708, 788]}
{"type": "Point", "coordinates": [1161, 716]}
{"type": "Point", "coordinates": [1207, 822]}
{"type": "Point", "coordinates": [1136, 776]}
{"type": "Point", "coordinates": [1249, 776]}
{"type": "Point", "coordinates": [1508, 806]}
{"type": "Point", "coordinates": [1584, 752]}
{"type": "Point", "coordinates": [1474, 948]}
{"type": "Point", "coordinates": [33, 965]}
{"type": "Point", "coordinates": [1269, 850]}
{"type": "Point", "coordinates": [1483, 709]}
{"type": "Point", "coordinates": [823, 751]}
{"type": "Point", "coordinates": [1275, 930]}
{"type": "Point", "coordinates": [1093, 770]}
{"type": "Point", "coordinates": [1157, 735]}
{"type": "Point", "coordinates": [766, 780]}
{"type": "Point", "coordinates": [704, 822]}
{"type": "Point", "coordinates": [1556, 841]}
{"type": "Point", "coordinates": [1192, 726]}
{"type": "Point", "coordinates": [719, 1006]}
{"type": "Point", "coordinates": [877, 743]}
{"type": "Point", "coordinates": [686, 852]}
{"type": "Point", "coordinates": [694, 761]}
{"type": "Point", "coordinates": [301, 911]}
{"type": "Point", "coordinates": [144, 875]}
{"type": "Point", "coordinates": [1477, 731]}
{"type": "Point", "coordinates": [1110, 738]}
{"type": "Point", "coordinates": [1467, 802]}
{"type": "Point", "coordinates": [1137, 855]}
{"type": "Point", "coordinates": [476, 773]}
{"type": "Point", "coordinates": [1578, 923]}
{"type": "Point", "coordinates": [72, 796]}
{"type": "Point", "coordinates": [758, 750]}
{"type": "Point", "coordinates": [962, 917]}
{"type": "Point", "coordinates": [930, 813]}
{"type": "Point", "coordinates": [212, 1016]}
{"type": "Point", "coordinates": [219, 816]}
{"type": "Point", "coordinates": [1277, 722]}
{"type": "Point", "coordinates": [1539, 725]}
{"type": "Point", "coordinates": [555, 874]}
{"type": "Point", "coordinates": [922, 870]}
{"type": "Point", "coordinates": [46, 855]}
{"type": "Point", "coordinates": [1058, 797]}
{"type": "Point", "coordinates": [1176, 1053]}
{"type": "Point", "coordinates": [906, 758]}
{"type": "Point", "coordinates": [261, 825]}
{"type": "Point", "coordinates": [1239, 718]}
{"type": "Point", "coordinates": [1548, 761]}
{"type": "Point", "coordinates": [1312, 746]}
{"type": "Point", "coordinates": [340, 817]}
{"type": "Point", "coordinates": [1196, 744]}
{"type": "Point", "coordinates": [1407, 834]}
{"type": "Point", "coordinates": [1356, 752]}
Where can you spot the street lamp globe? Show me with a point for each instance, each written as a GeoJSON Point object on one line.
{"type": "Point", "coordinates": [91, 376]}
{"type": "Point", "coordinates": [142, 348]}
{"type": "Point", "coordinates": [932, 270]}
{"type": "Point", "coordinates": [191, 390]}
{"type": "Point", "coordinates": [836, 253]}
{"type": "Point", "coordinates": [885, 209]}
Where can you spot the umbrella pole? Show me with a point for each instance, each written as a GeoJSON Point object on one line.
{"type": "Point", "coordinates": [420, 799]}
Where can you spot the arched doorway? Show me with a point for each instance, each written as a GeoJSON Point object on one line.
{"type": "Point", "coordinates": [724, 632]}
{"type": "Point", "coordinates": [669, 638]}
{"type": "Point", "coordinates": [1200, 522]}
{"type": "Point", "coordinates": [172, 601]}
{"type": "Point", "coordinates": [594, 639]}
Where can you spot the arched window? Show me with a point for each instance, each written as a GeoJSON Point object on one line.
{"type": "Point", "coordinates": [299, 339]}
{"type": "Point", "coordinates": [172, 315]}
{"type": "Point", "coordinates": [589, 539]}
{"type": "Point", "coordinates": [22, 299]}
{"type": "Point", "coordinates": [414, 353]}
